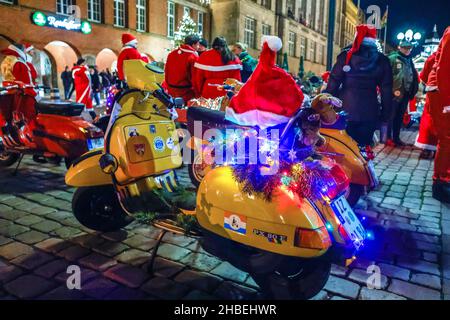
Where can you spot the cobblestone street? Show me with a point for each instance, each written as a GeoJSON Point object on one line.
{"type": "Point", "coordinates": [39, 239]}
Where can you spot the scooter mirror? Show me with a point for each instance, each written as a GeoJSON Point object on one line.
{"type": "Point", "coordinates": [178, 102]}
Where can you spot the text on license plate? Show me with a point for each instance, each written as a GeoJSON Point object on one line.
{"type": "Point", "coordinates": [349, 221]}
{"type": "Point", "coordinates": [95, 143]}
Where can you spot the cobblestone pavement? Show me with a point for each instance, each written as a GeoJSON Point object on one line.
{"type": "Point", "coordinates": [39, 239]}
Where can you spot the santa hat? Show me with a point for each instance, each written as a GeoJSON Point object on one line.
{"type": "Point", "coordinates": [16, 50]}
{"type": "Point", "coordinates": [28, 47]}
{"type": "Point", "coordinates": [270, 97]}
{"type": "Point", "coordinates": [364, 32]}
{"type": "Point", "coordinates": [129, 40]}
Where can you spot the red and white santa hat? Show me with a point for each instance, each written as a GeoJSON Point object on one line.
{"type": "Point", "coordinates": [364, 32]}
{"type": "Point", "coordinates": [16, 51]}
{"type": "Point", "coordinates": [28, 47]}
{"type": "Point", "coordinates": [129, 40]}
{"type": "Point", "coordinates": [270, 96]}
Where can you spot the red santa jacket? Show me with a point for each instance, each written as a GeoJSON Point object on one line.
{"type": "Point", "coordinates": [82, 81]}
{"type": "Point", "coordinates": [210, 70]}
{"type": "Point", "coordinates": [179, 72]}
{"type": "Point", "coordinates": [427, 68]}
{"type": "Point", "coordinates": [439, 77]}
{"type": "Point", "coordinates": [33, 72]}
{"type": "Point", "coordinates": [128, 53]}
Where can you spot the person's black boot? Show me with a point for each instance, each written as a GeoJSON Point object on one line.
{"type": "Point", "coordinates": [400, 143]}
{"type": "Point", "coordinates": [441, 191]}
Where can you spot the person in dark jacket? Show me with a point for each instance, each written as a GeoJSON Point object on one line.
{"type": "Point", "coordinates": [248, 63]}
{"type": "Point", "coordinates": [95, 85]}
{"type": "Point", "coordinates": [405, 87]}
{"type": "Point", "coordinates": [360, 71]}
{"type": "Point", "coordinates": [67, 80]}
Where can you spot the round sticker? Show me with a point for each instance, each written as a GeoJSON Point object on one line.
{"type": "Point", "coordinates": [158, 143]}
{"type": "Point", "coordinates": [170, 144]}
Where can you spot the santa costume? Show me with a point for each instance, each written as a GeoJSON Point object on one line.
{"type": "Point", "coordinates": [438, 98]}
{"type": "Point", "coordinates": [28, 49]}
{"type": "Point", "coordinates": [20, 70]}
{"type": "Point", "coordinates": [179, 72]}
{"type": "Point", "coordinates": [211, 72]}
{"type": "Point", "coordinates": [82, 81]}
{"type": "Point", "coordinates": [427, 136]}
{"type": "Point", "coordinates": [129, 52]}
{"type": "Point", "coordinates": [270, 97]}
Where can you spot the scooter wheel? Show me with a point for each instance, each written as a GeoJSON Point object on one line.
{"type": "Point", "coordinates": [98, 208]}
{"type": "Point", "coordinates": [7, 159]}
{"type": "Point", "coordinates": [196, 172]}
{"type": "Point", "coordinates": [295, 279]}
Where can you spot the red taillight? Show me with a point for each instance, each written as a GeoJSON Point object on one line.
{"type": "Point", "coordinates": [318, 239]}
{"type": "Point", "coordinates": [336, 183]}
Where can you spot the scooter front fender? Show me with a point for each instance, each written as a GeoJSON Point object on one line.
{"type": "Point", "coordinates": [86, 171]}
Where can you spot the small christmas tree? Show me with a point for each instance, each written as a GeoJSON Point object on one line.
{"type": "Point", "coordinates": [187, 27]}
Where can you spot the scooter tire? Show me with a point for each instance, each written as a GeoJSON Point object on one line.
{"type": "Point", "coordinates": [7, 159]}
{"type": "Point", "coordinates": [356, 192]}
{"type": "Point", "coordinates": [193, 175]}
{"type": "Point", "coordinates": [98, 208]}
{"type": "Point", "coordinates": [294, 279]}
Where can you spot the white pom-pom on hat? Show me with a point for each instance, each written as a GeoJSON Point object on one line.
{"type": "Point", "coordinates": [274, 43]}
{"type": "Point", "coordinates": [347, 68]}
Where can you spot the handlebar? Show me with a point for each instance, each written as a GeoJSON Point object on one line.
{"type": "Point", "coordinates": [27, 86]}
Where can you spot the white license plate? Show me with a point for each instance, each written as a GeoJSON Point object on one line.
{"type": "Point", "coordinates": [95, 143]}
{"type": "Point", "coordinates": [375, 181]}
{"type": "Point", "coordinates": [349, 221]}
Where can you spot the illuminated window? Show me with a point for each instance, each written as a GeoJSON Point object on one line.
{"type": "Point", "coordinates": [303, 47]}
{"type": "Point", "coordinates": [170, 19]}
{"type": "Point", "coordinates": [63, 5]}
{"type": "Point", "coordinates": [291, 44]}
{"type": "Point", "coordinates": [119, 13]}
{"type": "Point", "coordinates": [266, 30]}
{"type": "Point", "coordinates": [95, 10]}
{"type": "Point", "coordinates": [200, 23]}
{"type": "Point", "coordinates": [141, 15]}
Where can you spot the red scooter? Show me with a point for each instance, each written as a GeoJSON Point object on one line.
{"type": "Point", "coordinates": [50, 130]}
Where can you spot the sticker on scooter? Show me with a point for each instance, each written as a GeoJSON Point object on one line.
{"type": "Point", "coordinates": [271, 237]}
{"type": "Point", "coordinates": [235, 222]}
{"type": "Point", "coordinates": [159, 144]}
{"type": "Point", "coordinates": [170, 143]}
{"type": "Point", "coordinates": [133, 132]}
{"type": "Point", "coordinates": [139, 148]}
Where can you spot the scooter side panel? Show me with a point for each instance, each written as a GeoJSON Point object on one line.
{"type": "Point", "coordinates": [87, 173]}
{"type": "Point", "coordinates": [354, 165]}
{"type": "Point", "coordinates": [256, 222]}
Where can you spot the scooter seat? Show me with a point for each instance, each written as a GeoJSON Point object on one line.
{"type": "Point", "coordinates": [58, 107]}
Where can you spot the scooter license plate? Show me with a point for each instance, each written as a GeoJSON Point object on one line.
{"type": "Point", "coordinates": [95, 143]}
{"type": "Point", "coordinates": [375, 181]}
{"type": "Point", "coordinates": [349, 221]}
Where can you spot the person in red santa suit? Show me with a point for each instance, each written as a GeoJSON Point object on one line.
{"type": "Point", "coordinates": [438, 98]}
{"type": "Point", "coordinates": [214, 67]}
{"type": "Point", "coordinates": [270, 97]}
{"type": "Point", "coordinates": [129, 52]}
{"type": "Point", "coordinates": [21, 69]}
{"type": "Point", "coordinates": [325, 79]}
{"type": "Point", "coordinates": [180, 69]}
{"type": "Point", "coordinates": [82, 82]}
{"type": "Point", "coordinates": [29, 50]}
{"type": "Point", "coordinates": [427, 136]}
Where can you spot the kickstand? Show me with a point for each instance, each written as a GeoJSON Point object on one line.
{"type": "Point", "coordinates": [18, 164]}
{"type": "Point", "coordinates": [155, 251]}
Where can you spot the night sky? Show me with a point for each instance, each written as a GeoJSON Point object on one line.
{"type": "Point", "coordinates": [419, 15]}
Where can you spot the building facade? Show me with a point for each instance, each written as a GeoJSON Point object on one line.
{"type": "Point", "coordinates": [301, 24]}
{"type": "Point", "coordinates": [350, 21]}
{"type": "Point", "coordinates": [60, 42]}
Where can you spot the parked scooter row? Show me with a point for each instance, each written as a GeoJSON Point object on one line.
{"type": "Point", "coordinates": [287, 243]}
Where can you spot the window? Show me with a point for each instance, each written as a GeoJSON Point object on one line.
{"type": "Point", "coordinates": [266, 30]}
{"type": "Point", "coordinates": [320, 54]}
{"type": "Point", "coordinates": [312, 50]}
{"type": "Point", "coordinates": [63, 5]}
{"type": "Point", "coordinates": [303, 47]}
{"type": "Point", "coordinates": [249, 32]}
{"type": "Point", "coordinates": [119, 13]}
{"type": "Point", "coordinates": [291, 44]}
{"type": "Point", "coordinates": [186, 11]}
{"type": "Point", "coordinates": [94, 10]}
{"type": "Point", "coordinates": [8, 1]}
{"type": "Point", "coordinates": [266, 3]}
{"type": "Point", "coordinates": [200, 23]}
{"type": "Point", "coordinates": [141, 15]}
{"type": "Point", "coordinates": [313, 19]}
{"type": "Point", "coordinates": [170, 19]}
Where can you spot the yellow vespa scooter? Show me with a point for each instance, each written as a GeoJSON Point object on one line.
{"type": "Point", "coordinates": [287, 244]}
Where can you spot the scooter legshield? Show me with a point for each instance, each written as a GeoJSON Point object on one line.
{"type": "Point", "coordinates": [86, 172]}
